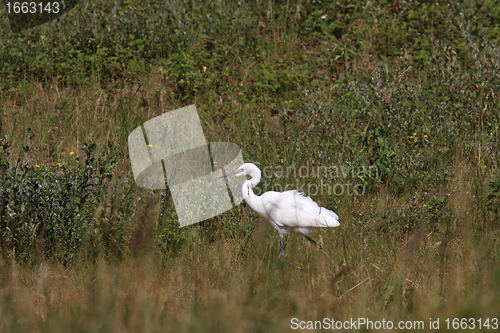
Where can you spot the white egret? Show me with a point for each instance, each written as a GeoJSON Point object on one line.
{"type": "Point", "coordinates": [288, 211]}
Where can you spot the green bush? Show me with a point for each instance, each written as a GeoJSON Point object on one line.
{"type": "Point", "coordinates": [48, 210]}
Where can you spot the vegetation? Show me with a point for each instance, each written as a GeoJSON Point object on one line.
{"type": "Point", "coordinates": [391, 108]}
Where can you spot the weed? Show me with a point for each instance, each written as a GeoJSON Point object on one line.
{"type": "Point", "coordinates": [399, 98]}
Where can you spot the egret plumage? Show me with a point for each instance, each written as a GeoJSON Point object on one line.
{"type": "Point", "coordinates": [288, 211]}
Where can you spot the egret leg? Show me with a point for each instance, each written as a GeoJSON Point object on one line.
{"type": "Point", "coordinates": [319, 247]}
{"type": "Point", "coordinates": [282, 245]}
{"type": "Point", "coordinates": [282, 252]}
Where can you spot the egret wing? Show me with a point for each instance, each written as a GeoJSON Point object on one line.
{"type": "Point", "coordinates": [293, 209]}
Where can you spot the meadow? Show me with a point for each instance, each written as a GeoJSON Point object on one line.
{"type": "Point", "coordinates": [386, 112]}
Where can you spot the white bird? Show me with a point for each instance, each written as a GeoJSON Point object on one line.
{"type": "Point", "coordinates": [288, 211]}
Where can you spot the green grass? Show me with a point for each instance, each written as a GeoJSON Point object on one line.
{"type": "Point", "coordinates": [397, 99]}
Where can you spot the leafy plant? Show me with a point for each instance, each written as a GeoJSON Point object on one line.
{"type": "Point", "coordinates": [493, 198]}
{"type": "Point", "coordinates": [48, 209]}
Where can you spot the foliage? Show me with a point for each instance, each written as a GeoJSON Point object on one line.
{"type": "Point", "coordinates": [47, 210]}
{"type": "Point", "coordinates": [494, 198]}
{"type": "Point", "coordinates": [396, 99]}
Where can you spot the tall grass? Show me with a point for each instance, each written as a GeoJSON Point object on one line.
{"type": "Point", "coordinates": [397, 100]}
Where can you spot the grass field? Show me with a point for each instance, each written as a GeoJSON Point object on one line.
{"type": "Point", "coordinates": [386, 112]}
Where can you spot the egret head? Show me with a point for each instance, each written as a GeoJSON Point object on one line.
{"type": "Point", "coordinates": [245, 169]}
{"type": "Point", "coordinates": [238, 172]}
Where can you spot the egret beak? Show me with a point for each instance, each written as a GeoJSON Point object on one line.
{"type": "Point", "coordinates": [232, 173]}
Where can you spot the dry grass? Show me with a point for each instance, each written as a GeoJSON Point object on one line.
{"type": "Point", "coordinates": [311, 87]}
{"type": "Point", "coordinates": [214, 286]}
{"type": "Point", "coordinates": [443, 265]}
